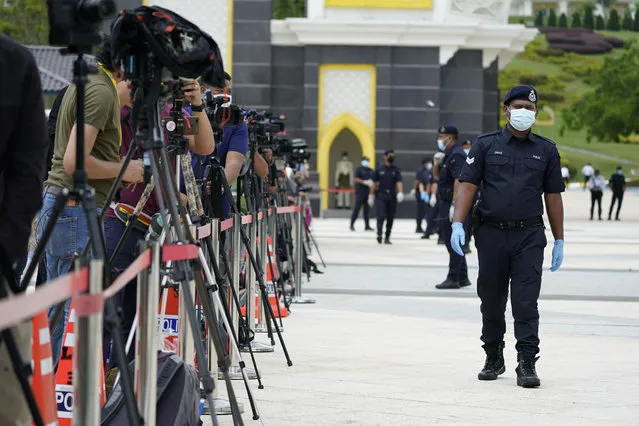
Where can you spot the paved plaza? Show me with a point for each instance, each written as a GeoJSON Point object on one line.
{"type": "Point", "coordinates": [382, 346]}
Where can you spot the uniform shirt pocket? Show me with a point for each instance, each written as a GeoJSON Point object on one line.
{"type": "Point", "coordinates": [495, 164]}
{"type": "Point", "coordinates": [534, 162]}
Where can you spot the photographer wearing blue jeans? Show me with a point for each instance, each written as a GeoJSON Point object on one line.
{"type": "Point", "coordinates": [102, 161]}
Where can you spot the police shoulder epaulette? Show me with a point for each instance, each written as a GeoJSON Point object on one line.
{"type": "Point", "coordinates": [543, 138]}
{"type": "Point", "coordinates": [493, 133]}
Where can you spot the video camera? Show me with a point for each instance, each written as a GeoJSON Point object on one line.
{"type": "Point", "coordinates": [221, 112]}
{"type": "Point", "coordinates": [263, 127]}
{"type": "Point", "coordinates": [76, 23]}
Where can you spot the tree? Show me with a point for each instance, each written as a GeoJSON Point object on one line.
{"type": "Point", "coordinates": [613, 21]}
{"type": "Point", "coordinates": [552, 18]}
{"type": "Point", "coordinates": [604, 111]}
{"type": "Point", "coordinates": [627, 21]}
{"type": "Point", "coordinates": [289, 9]}
{"type": "Point", "coordinates": [563, 21]}
{"type": "Point", "coordinates": [539, 18]}
{"type": "Point", "coordinates": [589, 18]}
{"type": "Point", "coordinates": [600, 24]}
{"type": "Point", "coordinates": [25, 21]}
{"type": "Point", "coordinates": [576, 20]}
{"type": "Point", "coordinates": [635, 23]}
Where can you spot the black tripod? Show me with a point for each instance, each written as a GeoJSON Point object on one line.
{"type": "Point", "coordinates": [84, 195]}
{"type": "Point", "coordinates": [217, 175]}
{"type": "Point", "coordinates": [149, 71]}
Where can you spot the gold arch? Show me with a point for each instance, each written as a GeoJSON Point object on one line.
{"type": "Point", "coordinates": [325, 138]}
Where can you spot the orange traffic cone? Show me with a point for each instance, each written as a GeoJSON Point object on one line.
{"type": "Point", "coordinates": [64, 375]}
{"type": "Point", "coordinates": [42, 362]}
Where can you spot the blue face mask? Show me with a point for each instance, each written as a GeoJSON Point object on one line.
{"type": "Point", "coordinates": [364, 163]}
{"type": "Point", "coordinates": [467, 151]}
{"type": "Point", "coordinates": [429, 166]}
{"type": "Point", "coordinates": [441, 145]}
{"type": "Point", "coordinates": [618, 172]}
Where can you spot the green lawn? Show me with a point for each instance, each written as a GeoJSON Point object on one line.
{"type": "Point", "coordinates": [577, 139]}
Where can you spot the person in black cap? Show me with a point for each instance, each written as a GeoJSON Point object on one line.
{"type": "Point", "coordinates": [448, 172]}
{"type": "Point", "coordinates": [422, 195]}
{"type": "Point", "coordinates": [514, 167]}
{"type": "Point", "coordinates": [387, 192]}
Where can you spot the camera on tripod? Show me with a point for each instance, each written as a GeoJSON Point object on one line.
{"type": "Point", "coordinates": [176, 123]}
{"type": "Point", "coordinates": [76, 23]}
{"type": "Point", "coordinates": [221, 112]}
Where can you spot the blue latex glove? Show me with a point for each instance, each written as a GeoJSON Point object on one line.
{"type": "Point", "coordinates": [425, 197]}
{"type": "Point", "coordinates": [557, 255]}
{"type": "Point", "coordinates": [458, 238]}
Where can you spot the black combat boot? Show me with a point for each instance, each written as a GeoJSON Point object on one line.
{"type": "Point", "coordinates": [494, 365]}
{"type": "Point", "coordinates": [526, 373]}
{"type": "Point", "coordinates": [448, 284]}
{"type": "Point", "coordinates": [465, 282]}
{"type": "Point", "coordinates": [379, 238]}
{"type": "Point", "coordinates": [387, 240]}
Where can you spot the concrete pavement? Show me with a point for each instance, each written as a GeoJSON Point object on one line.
{"type": "Point", "coordinates": [382, 347]}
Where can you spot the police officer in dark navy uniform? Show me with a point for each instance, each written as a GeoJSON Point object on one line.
{"type": "Point", "coordinates": [515, 167]}
{"type": "Point", "coordinates": [448, 174]}
{"type": "Point", "coordinates": [363, 184]}
{"type": "Point", "coordinates": [423, 188]}
{"type": "Point", "coordinates": [386, 192]}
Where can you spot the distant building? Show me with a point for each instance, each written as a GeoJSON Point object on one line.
{"type": "Point", "coordinates": [530, 7]}
{"type": "Point", "coordinates": [56, 70]}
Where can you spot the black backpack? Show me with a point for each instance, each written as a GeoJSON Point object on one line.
{"type": "Point", "coordinates": [51, 124]}
{"type": "Point", "coordinates": [178, 396]}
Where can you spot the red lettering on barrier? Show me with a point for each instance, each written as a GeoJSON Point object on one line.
{"type": "Point", "coordinates": [177, 252]}
{"type": "Point", "coordinates": [247, 219]}
{"type": "Point", "coordinates": [226, 224]}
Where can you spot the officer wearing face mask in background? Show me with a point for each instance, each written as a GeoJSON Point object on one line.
{"type": "Point", "coordinates": [387, 192]}
{"type": "Point", "coordinates": [448, 171]}
{"type": "Point", "coordinates": [515, 167]}
{"type": "Point", "coordinates": [421, 192]}
{"type": "Point", "coordinates": [363, 184]}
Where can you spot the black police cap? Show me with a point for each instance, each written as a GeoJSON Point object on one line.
{"type": "Point", "coordinates": [389, 151]}
{"type": "Point", "coordinates": [524, 93]}
{"type": "Point", "coordinates": [426, 159]}
{"type": "Point", "coordinates": [448, 130]}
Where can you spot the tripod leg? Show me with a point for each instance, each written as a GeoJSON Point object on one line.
{"type": "Point", "coordinates": [219, 279]}
{"type": "Point", "coordinates": [163, 177]}
{"type": "Point", "coordinates": [214, 334]}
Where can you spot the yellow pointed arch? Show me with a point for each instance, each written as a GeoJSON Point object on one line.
{"type": "Point", "coordinates": [325, 138]}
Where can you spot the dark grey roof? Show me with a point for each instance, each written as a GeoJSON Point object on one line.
{"type": "Point", "coordinates": [56, 70]}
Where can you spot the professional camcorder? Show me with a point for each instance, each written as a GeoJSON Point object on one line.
{"type": "Point", "coordinates": [221, 112]}
{"type": "Point", "coordinates": [76, 23]}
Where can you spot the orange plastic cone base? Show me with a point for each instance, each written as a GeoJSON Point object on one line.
{"type": "Point", "coordinates": [42, 361]}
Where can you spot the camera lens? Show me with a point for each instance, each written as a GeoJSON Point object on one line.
{"type": "Point", "coordinates": [94, 11]}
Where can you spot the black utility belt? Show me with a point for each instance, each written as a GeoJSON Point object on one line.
{"type": "Point", "coordinates": [445, 195]}
{"type": "Point", "coordinates": [532, 222]}
{"type": "Point", "coordinates": [386, 191]}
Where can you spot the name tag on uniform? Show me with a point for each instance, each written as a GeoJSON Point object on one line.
{"type": "Point", "coordinates": [536, 157]}
{"type": "Point", "coordinates": [498, 152]}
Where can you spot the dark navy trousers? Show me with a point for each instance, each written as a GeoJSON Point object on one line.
{"type": "Point", "coordinates": [385, 209]}
{"type": "Point", "coordinates": [512, 257]}
{"type": "Point", "coordinates": [457, 268]}
{"type": "Point", "coordinates": [361, 201]}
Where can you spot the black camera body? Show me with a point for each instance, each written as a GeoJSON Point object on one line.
{"type": "Point", "coordinates": [76, 23]}
{"type": "Point", "coordinates": [220, 114]}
